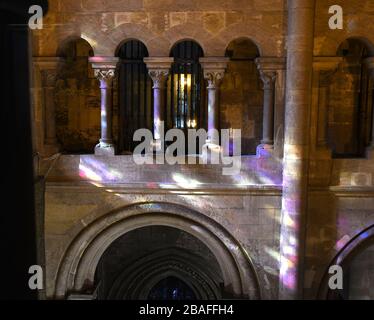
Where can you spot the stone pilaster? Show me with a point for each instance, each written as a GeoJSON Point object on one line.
{"type": "Point", "coordinates": [214, 71]}
{"type": "Point", "coordinates": [296, 154]}
{"type": "Point", "coordinates": [158, 68]}
{"type": "Point", "coordinates": [105, 68]}
{"type": "Point", "coordinates": [324, 69]}
{"type": "Point", "coordinates": [369, 65]}
{"type": "Point", "coordinates": [47, 72]}
{"type": "Point", "coordinates": [270, 69]}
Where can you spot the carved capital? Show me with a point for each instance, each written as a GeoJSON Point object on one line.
{"type": "Point", "coordinates": [104, 68]}
{"type": "Point", "coordinates": [325, 77]}
{"type": "Point", "coordinates": [326, 67]}
{"type": "Point", "coordinates": [214, 70]}
{"type": "Point", "coordinates": [268, 78]}
{"type": "Point", "coordinates": [369, 64]}
{"type": "Point", "coordinates": [159, 78]}
{"type": "Point", "coordinates": [214, 78]}
{"type": "Point", "coordinates": [48, 77]}
{"type": "Point", "coordinates": [106, 75]}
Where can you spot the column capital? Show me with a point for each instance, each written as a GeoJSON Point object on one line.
{"type": "Point", "coordinates": [158, 69]}
{"type": "Point", "coordinates": [47, 66]}
{"type": "Point", "coordinates": [268, 68]}
{"type": "Point", "coordinates": [326, 67]}
{"type": "Point", "coordinates": [369, 64]}
{"type": "Point", "coordinates": [104, 68]}
{"type": "Point", "coordinates": [214, 70]}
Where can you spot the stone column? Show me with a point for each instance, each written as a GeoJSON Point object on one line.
{"type": "Point", "coordinates": [158, 68]}
{"type": "Point", "coordinates": [104, 68]}
{"type": "Point", "coordinates": [269, 68]}
{"type": "Point", "coordinates": [369, 64]}
{"type": "Point", "coordinates": [323, 70]}
{"type": "Point", "coordinates": [214, 71]}
{"type": "Point", "coordinates": [47, 67]}
{"type": "Point", "coordinates": [296, 153]}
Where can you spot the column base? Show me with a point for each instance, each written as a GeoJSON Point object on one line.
{"type": "Point", "coordinates": [105, 149]}
{"type": "Point", "coordinates": [50, 149]}
{"type": "Point", "coordinates": [211, 153]}
{"type": "Point", "coordinates": [264, 150]}
{"type": "Point", "coordinates": [370, 152]}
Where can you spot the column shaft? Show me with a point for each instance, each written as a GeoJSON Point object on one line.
{"type": "Point", "coordinates": [158, 68]}
{"type": "Point", "coordinates": [214, 71]}
{"type": "Point", "coordinates": [297, 126]}
{"type": "Point", "coordinates": [268, 116]}
{"type": "Point", "coordinates": [105, 68]}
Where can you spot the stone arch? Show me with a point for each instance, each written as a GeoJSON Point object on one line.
{"type": "Point", "coordinates": [77, 269]}
{"type": "Point", "coordinates": [182, 40]}
{"type": "Point", "coordinates": [329, 47]}
{"type": "Point", "coordinates": [68, 40]}
{"type": "Point", "coordinates": [255, 33]}
{"type": "Point", "coordinates": [137, 281]}
{"type": "Point", "coordinates": [125, 41]}
{"type": "Point", "coordinates": [130, 31]}
{"type": "Point", "coordinates": [351, 248]}
{"type": "Point", "coordinates": [244, 38]}
{"type": "Point", "coordinates": [187, 32]}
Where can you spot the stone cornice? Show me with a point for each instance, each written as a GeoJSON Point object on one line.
{"type": "Point", "coordinates": [104, 63]}
{"type": "Point", "coordinates": [159, 63]}
{"type": "Point", "coordinates": [271, 64]}
{"type": "Point", "coordinates": [214, 63]}
{"type": "Point", "coordinates": [47, 63]}
{"type": "Point", "coordinates": [326, 63]}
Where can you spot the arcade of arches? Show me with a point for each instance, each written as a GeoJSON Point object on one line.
{"type": "Point", "coordinates": [114, 230]}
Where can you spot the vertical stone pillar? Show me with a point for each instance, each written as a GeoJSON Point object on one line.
{"type": "Point", "coordinates": [214, 71]}
{"type": "Point", "coordinates": [369, 64]}
{"type": "Point", "coordinates": [158, 68]}
{"type": "Point", "coordinates": [269, 69]}
{"type": "Point", "coordinates": [323, 70]}
{"type": "Point", "coordinates": [47, 67]}
{"type": "Point", "coordinates": [296, 153]}
{"type": "Point", "coordinates": [104, 68]}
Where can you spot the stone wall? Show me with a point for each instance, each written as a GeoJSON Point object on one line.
{"type": "Point", "coordinates": [249, 209]}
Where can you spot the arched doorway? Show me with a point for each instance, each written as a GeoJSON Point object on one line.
{"type": "Point", "coordinates": [161, 263]}
{"type": "Point", "coordinates": [76, 274]}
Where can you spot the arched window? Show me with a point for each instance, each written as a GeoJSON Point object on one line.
{"type": "Point", "coordinates": [135, 94]}
{"type": "Point", "coordinates": [186, 89]}
{"type": "Point", "coordinates": [350, 103]}
{"type": "Point", "coordinates": [242, 95]}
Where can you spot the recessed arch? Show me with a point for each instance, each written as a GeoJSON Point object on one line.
{"type": "Point", "coordinates": [250, 48]}
{"type": "Point", "coordinates": [347, 253]}
{"type": "Point", "coordinates": [78, 266]}
{"type": "Point", "coordinates": [128, 40]}
{"type": "Point", "coordinates": [64, 45]}
{"type": "Point", "coordinates": [185, 40]}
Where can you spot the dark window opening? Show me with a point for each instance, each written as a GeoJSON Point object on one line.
{"type": "Point", "coordinates": [135, 94]}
